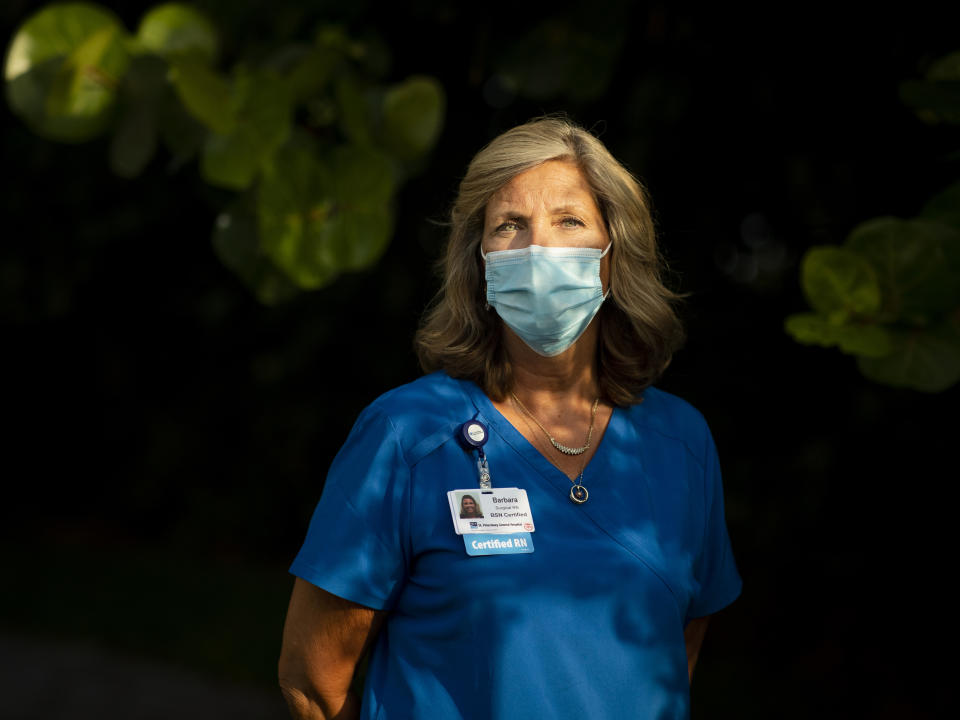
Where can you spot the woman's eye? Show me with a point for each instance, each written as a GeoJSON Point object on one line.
{"type": "Point", "coordinates": [571, 222]}
{"type": "Point", "coordinates": [509, 226]}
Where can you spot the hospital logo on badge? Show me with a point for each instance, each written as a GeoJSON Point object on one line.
{"type": "Point", "coordinates": [473, 523]}
{"type": "Point", "coordinates": [528, 526]}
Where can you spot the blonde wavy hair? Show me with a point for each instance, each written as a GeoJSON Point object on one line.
{"type": "Point", "coordinates": [639, 330]}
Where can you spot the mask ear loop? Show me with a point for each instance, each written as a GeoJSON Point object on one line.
{"type": "Point", "coordinates": [483, 256]}
{"type": "Point", "coordinates": [606, 250]}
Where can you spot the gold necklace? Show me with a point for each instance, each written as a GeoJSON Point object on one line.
{"type": "Point", "coordinates": [566, 450]}
{"type": "Point", "coordinates": [578, 493]}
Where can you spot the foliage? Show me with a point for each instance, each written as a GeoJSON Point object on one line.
{"type": "Point", "coordinates": [936, 99]}
{"type": "Point", "coordinates": [891, 295]}
{"type": "Point", "coordinates": [312, 142]}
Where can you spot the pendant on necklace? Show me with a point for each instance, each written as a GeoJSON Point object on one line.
{"type": "Point", "coordinates": [566, 450]}
{"type": "Point", "coordinates": [579, 494]}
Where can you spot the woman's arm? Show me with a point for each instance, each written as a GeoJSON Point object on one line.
{"type": "Point", "coordinates": [693, 635]}
{"type": "Point", "coordinates": [324, 638]}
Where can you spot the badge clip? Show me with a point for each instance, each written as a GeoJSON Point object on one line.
{"type": "Point", "coordinates": [474, 434]}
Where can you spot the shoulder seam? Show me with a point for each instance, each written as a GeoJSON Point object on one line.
{"type": "Point", "coordinates": [443, 434]}
{"type": "Point", "coordinates": [396, 438]}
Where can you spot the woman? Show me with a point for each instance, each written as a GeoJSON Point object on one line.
{"type": "Point", "coordinates": [468, 507]}
{"type": "Point", "coordinates": [549, 329]}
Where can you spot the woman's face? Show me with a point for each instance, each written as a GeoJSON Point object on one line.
{"type": "Point", "coordinates": [467, 505]}
{"type": "Point", "coordinates": [550, 205]}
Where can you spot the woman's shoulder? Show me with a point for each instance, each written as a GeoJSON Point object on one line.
{"type": "Point", "coordinates": [671, 416]}
{"type": "Point", "coordinates": [424, 413]}
{"type": "Point", "coordinates": [433, 394]}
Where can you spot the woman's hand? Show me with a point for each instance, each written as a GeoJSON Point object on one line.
{"type": "Point", "coordinates": [693, 635]}
{"type": "Point", "coordinates": [323, 640]}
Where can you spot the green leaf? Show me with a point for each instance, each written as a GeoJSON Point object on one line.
{"type": "Point", "coordinates": [236, 242]}
{"type": "Point", "coordinates": [204, 92]}
{"type": "Point", "coordinates": [810, 329]}
{"type": "Point", "coordinates": [946, 68]}
{"type": "Point", "coordinates": [262, 114]}
{"type": "Point", "coordinates": [291, 209]}
{"type": "Point", "coordinates": [135, 136]}
{"type": "Point", "coordinates": [839, 283]}
{"type": "Point", "coordinates": [944, 207]}
{"type": "Point", "coordinates": [182, 133]}
{"type": "Point", "coordinates": [334, 37]}
{"type": "Point", "coordinates": [358, 177]}
{"type": "Point", "coordinates": [921, 360]}
{"type": "Point", "coordinates": [322, 215]}
{"type": "Point", "coordinates": [864, 340]}
{"type": "Point", "coordinates": [917, 263]}
{"type": "Point", "coordinates": [307, 70]}
{"type": "Point", "coordinates": [413, 114]}
{"type": "Point", "coordinates": [355, 112]}
{"type": "Point", "coordinates": [360, 182]}
{"type": "Point", "coordinates": [933, 101]}
{"type": "Point", "coordinates": [176, 30]}
{"type": "Point", "coordinates": [63, 68]}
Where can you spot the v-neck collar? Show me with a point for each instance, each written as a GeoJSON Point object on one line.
{"type": "Point", "coordinates": [523, 447]}
{"type": "Point", "coordinates": [631, 536]}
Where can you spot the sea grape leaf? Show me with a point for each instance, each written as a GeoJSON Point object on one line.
{"type": "Point", "coordinates": [839, 283]}
{"type": "Point", "coordinates": [291, 211]}
{"type": "Point", "coordinates": [262, 112]}
{"type": "Point", "coordinates": [204, 92]}
{"type": "Point", "coordinates": [360, 181]}
{"type": "Point", "coordinates": [358, 177]}
{"type": "Point", "coordinates": [926, 360]}
{"type": "Point", "coordinates": [865, 340]}
{"type": "Point", "coordinates": [236, 241]}
{"type": "Point", "coordinates": [933, 102]}
{"type": "Point", "coordinates": [917, 263]}
{"type": "Point", "coordinates": [178, 30]}
{"type": "Point", "coordinates": [354, 111]}
{"type": "Point", "coordinates": [413, 114]}
{"type": "Point", "coordinates": [135, 136]}
{"type": "Point", "coordinates": [335, 37]}
{"type": "Point", "coordinates": [63, 68]}
{"type": "Point", "coordinates": [181, 132]}
{"type": "Point", "coordinates": [937, 98]}
{"type": "Point", "coordinates": [54, 32]}
{"type": "Point", "coordinates": [321, 214]}
{"type": "Point", "coordinates": [946, 69]}
{"type": "Point", "coordinates": [944, 207]}
{"type": "Point", "coordinates": [307, 70]}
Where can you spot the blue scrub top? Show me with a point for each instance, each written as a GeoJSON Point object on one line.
{"type": "Point", "coordinates": [589, 625]}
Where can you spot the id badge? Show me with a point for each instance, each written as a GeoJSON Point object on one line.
{"type": "Point", "coordinates": [492, 522]}
{"type": "Point", "coordinates": [500, 510]}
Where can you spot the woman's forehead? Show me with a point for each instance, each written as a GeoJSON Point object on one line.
{"type": "Point", "coordinates": [555, 185]}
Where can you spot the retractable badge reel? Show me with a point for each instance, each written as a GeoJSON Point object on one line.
{"type": "Point", "coordinates": [474, 434]}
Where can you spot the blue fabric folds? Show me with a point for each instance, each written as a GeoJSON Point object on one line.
{"type": "Point", "coordinates": [589, 625]}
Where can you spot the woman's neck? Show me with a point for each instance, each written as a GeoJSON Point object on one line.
{"type": "Point", "coordinates": [568, 378]}
{"type": "Point", "coordinates": [557, 399]}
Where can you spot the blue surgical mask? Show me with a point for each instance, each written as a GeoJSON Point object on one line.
{"type": "Point", "coordinates": [546, 295]}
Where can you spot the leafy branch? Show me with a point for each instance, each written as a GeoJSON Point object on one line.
{"type": "Point", "coordinates": [891, 294]}
{"type": "Point", "coordinates": [312, 141]}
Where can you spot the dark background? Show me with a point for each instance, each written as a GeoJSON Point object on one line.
{"type": "Point", "coordinates": [166, 437]}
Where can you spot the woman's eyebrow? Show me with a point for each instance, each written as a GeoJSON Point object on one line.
{"type": "Point", "coordinates": [507, 212]}
{"type": "Point", "coordinates": [569, 208]}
